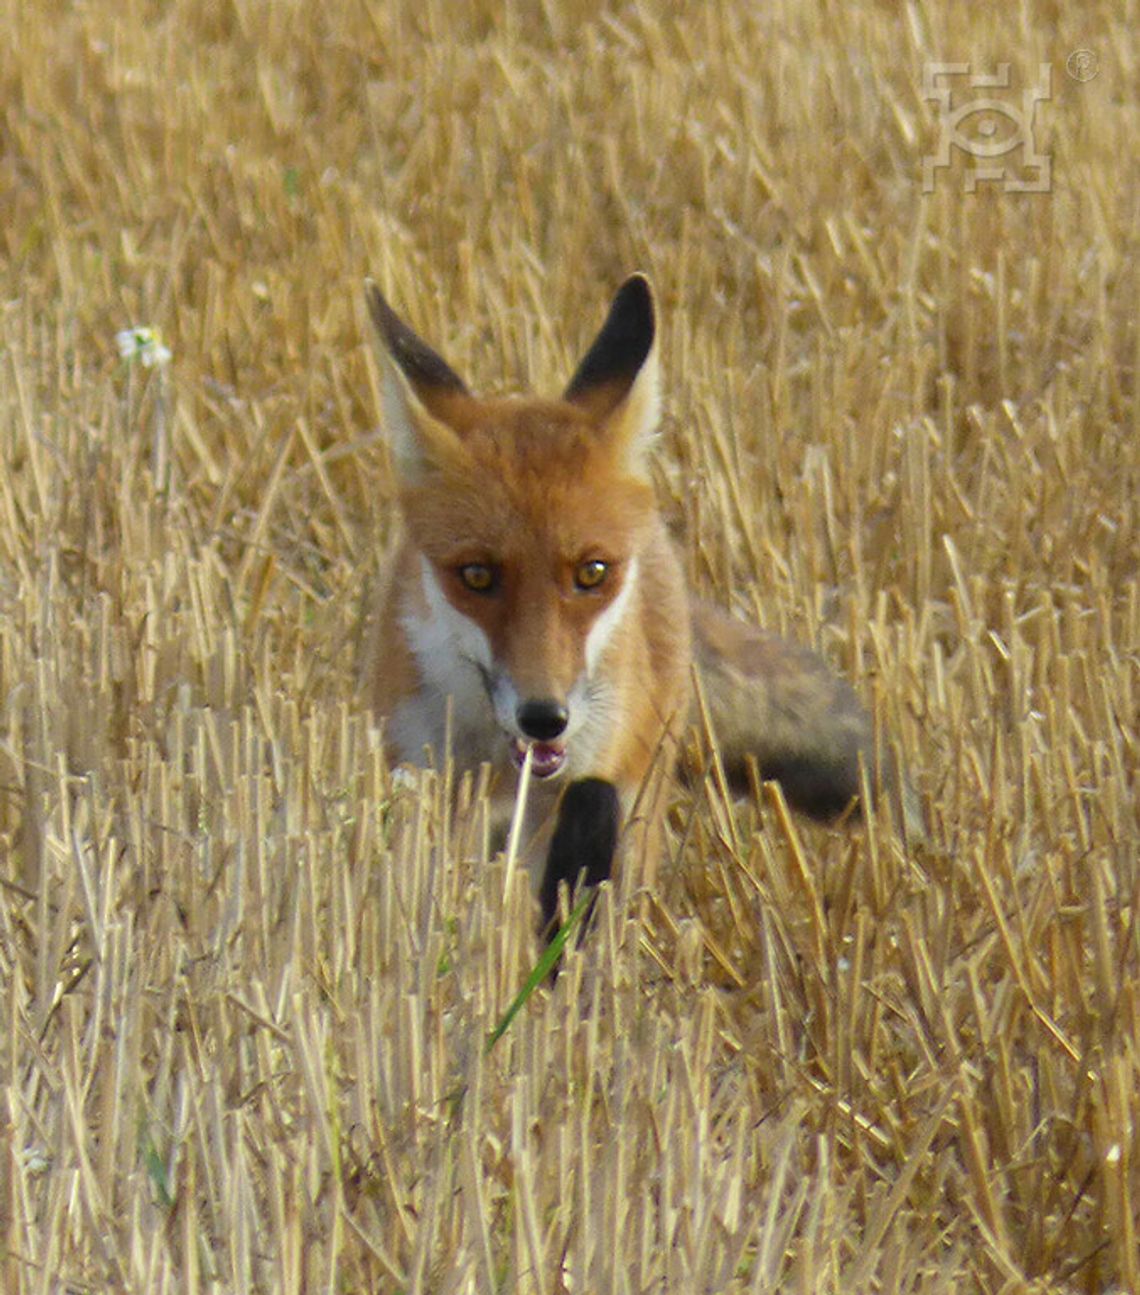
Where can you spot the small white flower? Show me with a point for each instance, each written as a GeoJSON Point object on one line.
{"type": "Point", "coordinates": [405, 778]}
{"type": "Point", "coordinates": [144, 344]}
{"type": "Point", "coordinates": [35, 1160]}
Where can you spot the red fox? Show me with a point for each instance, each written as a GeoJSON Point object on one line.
{"type": "Point", "coordinates": [536, 603]}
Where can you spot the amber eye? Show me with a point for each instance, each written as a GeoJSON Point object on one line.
{"type": "Point", "coordinates": [589, 575]}
{"type": "Point", "coordinates": [478, 577]}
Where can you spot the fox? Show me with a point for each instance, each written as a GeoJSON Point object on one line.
{"type": "Point", "coordinates": [535, 612]}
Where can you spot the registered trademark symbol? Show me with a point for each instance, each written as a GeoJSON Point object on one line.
{"type": "Point", "coordinates": [1082, 65]}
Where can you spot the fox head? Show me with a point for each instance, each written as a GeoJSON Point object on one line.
{"type": "Point", "coordinates": [531, 519]}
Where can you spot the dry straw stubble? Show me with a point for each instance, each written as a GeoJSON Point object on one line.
{"type": "Point", "coordinates": [246, 979]}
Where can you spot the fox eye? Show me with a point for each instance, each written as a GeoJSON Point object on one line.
{"type": "Point", "coordinates": [589, 575]}
{"type": "Point", "coordinates": [478, 577]}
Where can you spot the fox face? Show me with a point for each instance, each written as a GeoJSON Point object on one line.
{"type": "Point", "coordinates": [531, 526]}
{"type": "Point", "coordinates": [527, 577]}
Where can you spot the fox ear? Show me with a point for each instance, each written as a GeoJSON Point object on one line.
{"type": "Point", "coordinates": [418, 390]}
{"type": "Point", "coordinates": [618, 382]}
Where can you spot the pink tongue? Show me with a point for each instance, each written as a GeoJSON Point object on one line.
{"type": "Point", "coordinates": [545, 757]}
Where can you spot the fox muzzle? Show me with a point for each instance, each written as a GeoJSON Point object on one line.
{"type": "Point", "coordinates": [542, 719]}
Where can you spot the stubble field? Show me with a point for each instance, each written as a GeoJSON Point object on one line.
{"type": "Point", "coordinates": [246, 980]}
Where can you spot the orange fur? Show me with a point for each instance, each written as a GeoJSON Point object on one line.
{"type": "Point", "coordinates": [536, 599]}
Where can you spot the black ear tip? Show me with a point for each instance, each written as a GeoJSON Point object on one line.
{"type": "Point", "coordinates": [635, 297]}
{"type": "Point", "coordinates": [621, 348]}
{"type": "Point", "coordinates": [382, 314]}
{"type": "Point", "coordinates": [638, 282]}
{"type": "Point", "coordinates": [631, 321]}
{"type": "Point", "coordinates": [420, 364]}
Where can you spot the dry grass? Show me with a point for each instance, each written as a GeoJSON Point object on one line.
{"type": "Point", "coordinates": [245, 981]}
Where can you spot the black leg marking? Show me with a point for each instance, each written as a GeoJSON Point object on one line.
{"type": "Point", "coordinates": [584, 842]}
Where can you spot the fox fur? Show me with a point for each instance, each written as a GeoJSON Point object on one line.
{"type": "Point", "coordinates": [536, 601]}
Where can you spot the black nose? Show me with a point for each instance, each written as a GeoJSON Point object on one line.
{"type": "Point", "coordinates": [542, 719]}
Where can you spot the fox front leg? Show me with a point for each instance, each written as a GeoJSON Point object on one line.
{"type": "Point", "coordinates": [583, 845]}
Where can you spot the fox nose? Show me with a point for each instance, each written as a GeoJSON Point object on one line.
{"type": "Point", "coordinates": [542, 718]}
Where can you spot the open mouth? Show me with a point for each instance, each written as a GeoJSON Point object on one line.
{"type": "Point", "coordinates": [546, 758]}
